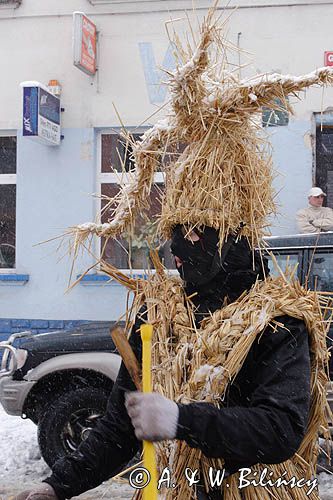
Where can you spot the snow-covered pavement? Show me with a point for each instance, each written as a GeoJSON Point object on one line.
{"type": "Point", "coordinates": [22, 467]}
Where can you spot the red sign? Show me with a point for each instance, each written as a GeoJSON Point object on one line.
{"type": "Point", "coordinates": [85, 35]}
{"type": "Point", "coordinates": [328, 58]}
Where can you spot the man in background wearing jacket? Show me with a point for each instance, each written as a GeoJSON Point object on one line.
{"type": "Point", "coordinates": [315, 218]}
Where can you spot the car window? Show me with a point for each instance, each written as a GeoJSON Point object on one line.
{"type": "Point", "coordinates": [284, 261]}
{"type": "Point", "coordinates": [321, 271]}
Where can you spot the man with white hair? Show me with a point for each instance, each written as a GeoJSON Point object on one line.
{"type": "Point", "coordinates": [315, 218]}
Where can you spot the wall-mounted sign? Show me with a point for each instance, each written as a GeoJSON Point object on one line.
{"type": "Point", "coordinates": [328, 58]}
{"type": "Point", "coordinates": [41, 114]}
{"type": "Point", "coordinates": [84, 43]}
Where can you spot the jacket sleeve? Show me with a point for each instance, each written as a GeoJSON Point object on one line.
{"type": "Point", "coordinates": [271, 427]}
{"type": "Point", "coordinates": [303, 224]}
{"type": "Point", "coordinates": [325, 223]}
{"type": "Point", "coordinates": [109, 446]}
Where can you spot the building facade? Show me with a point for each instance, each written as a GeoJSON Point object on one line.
{"type": "Point", "coordinates": [46, 189]}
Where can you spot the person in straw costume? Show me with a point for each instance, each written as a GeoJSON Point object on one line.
{"type": "Point", "coordinates": [239, 358]}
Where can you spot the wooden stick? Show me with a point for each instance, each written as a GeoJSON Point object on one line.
{"type": "Point", "coordinates": [127, 354]}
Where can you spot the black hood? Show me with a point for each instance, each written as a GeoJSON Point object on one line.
{"type": "Point", "coordinates": [216, 276]}
{"type": "Point", "coordinates": [198, 257]}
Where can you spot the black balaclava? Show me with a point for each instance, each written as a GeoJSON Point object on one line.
{"type": "Point", "coordinates": [215, 276]}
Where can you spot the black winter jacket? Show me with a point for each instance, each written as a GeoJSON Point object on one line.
{"type": "Point", "coordinates": [263, 418]}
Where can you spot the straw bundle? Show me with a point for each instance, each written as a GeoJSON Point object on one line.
{"type": "Point", "coordinates": [192, 364]}
{"type": "Point", "coordinates": [224, 175]}
{"type": "Point", "coordinates": [197, 365]}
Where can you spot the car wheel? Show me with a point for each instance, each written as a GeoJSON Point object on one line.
{"type": "Point", "coordinates": [68, 421]}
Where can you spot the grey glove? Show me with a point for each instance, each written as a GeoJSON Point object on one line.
{"type": "Point", "coordinates": [153, 416]}
{"type": "Point", "coordinates": [43, 491]}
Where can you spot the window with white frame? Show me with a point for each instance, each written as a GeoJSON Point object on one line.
{"type": "Point", "coordinates": [129, 251]}
{"type": "Point", "coordinates": [7, 201]}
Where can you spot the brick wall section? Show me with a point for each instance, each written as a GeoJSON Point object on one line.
{"type": "Point", "coordinates": [9, 326]}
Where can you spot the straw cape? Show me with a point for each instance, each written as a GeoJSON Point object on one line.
{"type": "Point", "coordinates": [222, 179]}
{"type": "Point", "coordinates": [198, 364]}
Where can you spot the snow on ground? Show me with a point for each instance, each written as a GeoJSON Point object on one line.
{"type": "Point", "coordinates": [21, 465]}
{"type": "Point", "coordinates": [326, 486]}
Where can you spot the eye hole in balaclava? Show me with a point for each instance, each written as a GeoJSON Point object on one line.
{"type": "Point", "coordinates": [236, 265]}
{"type": "Point", "coordinates": [196, 256]}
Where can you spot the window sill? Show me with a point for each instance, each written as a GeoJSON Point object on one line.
{"type": "Point", "coordinates": [14, 279]}
{"type": "Point", "coordinates": [94, 279]}
{"type": "Point", "coordinates": [102, 279]}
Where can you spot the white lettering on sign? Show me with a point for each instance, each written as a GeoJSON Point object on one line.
{"type": "Point", "coordinates": [48, 130]}
{"type": "Point", "coordinates": [27, 124]}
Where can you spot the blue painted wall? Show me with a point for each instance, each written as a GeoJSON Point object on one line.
{"type": "Point", "coordinates": [54, 188]}
{"type": "Point", "coordinates": [54, 191]}
{"type": "Point", "coordinates": [9, 326]}
{"type": "Point", "coordinates": [292, 158]}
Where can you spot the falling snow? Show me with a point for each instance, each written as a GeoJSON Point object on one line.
{"type": "Point", "coordinates": [22, 467]}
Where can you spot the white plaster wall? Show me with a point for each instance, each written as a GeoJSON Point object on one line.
{"type": "Point", "coordinates": [54, 184]}
{"type": "Point", "coordinates": [37, 44]}
{"type": "Point", "coordinates": [292, 157]}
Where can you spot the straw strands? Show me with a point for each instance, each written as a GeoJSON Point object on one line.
{"type": "Point", "coordinates": [197, 364]}
{"type": "Point", "coordinates": [193, 364]}
{"type": "Point", "coordinates": [223, 177]}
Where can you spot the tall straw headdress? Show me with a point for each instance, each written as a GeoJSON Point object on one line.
{"type": "Point", "coordinates": [223, 177]}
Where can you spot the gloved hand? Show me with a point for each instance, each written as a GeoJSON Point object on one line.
{"type": "Point", "coordinates": [153, 416]}
{"type": "Point", "coordinates": [43, 491]}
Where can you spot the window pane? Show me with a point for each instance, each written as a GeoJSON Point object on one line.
{"type": "Point", "coordinates": [325, 140]}
{"type": "Point", "coordinates": [321, 272]}
{"type": "Point", "coordinates": [284, 261]}
{"type": "Point", "coordinates": [116, 153]}
{"type": "Point", "coordinates": [7, 155]}
{"type": "Point", "coordinates": [133, 252]}
{"type": "Point", "coordinates": [7, 225]}
{"type": "Point", "coordinates": [275, 117]}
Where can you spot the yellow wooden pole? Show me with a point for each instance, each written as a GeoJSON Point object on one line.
{"type": "Point", "coordinates": [149, 458]}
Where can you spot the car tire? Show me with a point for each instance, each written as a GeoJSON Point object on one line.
{"type": "Point", "coordinates": [68, 421]}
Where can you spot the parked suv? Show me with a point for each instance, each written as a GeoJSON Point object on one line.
{"type": "Point", "coordinates": [60, 380]}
